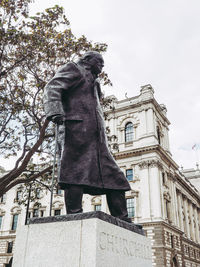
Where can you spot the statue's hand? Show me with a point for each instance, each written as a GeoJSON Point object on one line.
{"type": "Point", "coordinates": [58, 119]}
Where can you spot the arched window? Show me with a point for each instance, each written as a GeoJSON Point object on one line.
{"type": "Point", "coordinates": [129, 132]}
{"type": "Point", "coordinates": [96, 202]}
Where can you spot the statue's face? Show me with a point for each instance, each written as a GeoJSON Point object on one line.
{"type": "Point", "coordinates": [96, 63]}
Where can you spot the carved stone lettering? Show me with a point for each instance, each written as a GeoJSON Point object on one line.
{"type": "Point", "coordinates": [102, 240]}
{"type": "Point", "coordinates": [110, 242]}
{"type": "Point", "coordinates": [123, 246]}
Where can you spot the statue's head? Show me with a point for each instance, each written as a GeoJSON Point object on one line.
{"type": "Point", "coordinates": [95, 60]}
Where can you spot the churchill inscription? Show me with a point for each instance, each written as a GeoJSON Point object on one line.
{"type": "Point", "coordinates": [124, 246]}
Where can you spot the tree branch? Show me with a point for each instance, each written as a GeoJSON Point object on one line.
{"type": "Point", "coordinates": [15, 172]}
{"type": "Point", "coordinates": [22, 180]}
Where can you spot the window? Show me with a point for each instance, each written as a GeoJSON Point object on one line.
{"type": "Point", "coordinates": [130, 207]}
{"type": "Point", "coordinates": [14, 222]}
{"type": "Point", "coordinates": [18, 195]}
{"type": "Point", "coordinates": [129, 132]}
{"type": "Point", "coordinates": [10, 263]}
{"type": "Point", "coordinates": [163, 178]}
{"type": "Point", "coordinates": [57, 212]}
{"type": "Point", "coordinates": [129, 174]}
{"type": "Point", "coordinates": [41, 213]}
{"type": "Point", "coordinates": [158, 135]}
{"type": "Point", "coordinates": [37, 192]}
{"type": "Point", "coordinates": [36, 213]}
{"type": "Point", "coordinates": [58, 191]}
{"type": "Point", "coordinates": [97, 207]}
{"type": "Point", "coordinates": [10, 247]}
{"type": "Point", "coordinates": [172, 241]}
{"type": "Point", "coordinates": [3, 198]}
{"type": "Point", "coordinates": [1, 217]}
{"type": "Point", "coordinates": [174, 262]}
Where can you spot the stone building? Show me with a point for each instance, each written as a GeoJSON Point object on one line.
{"type": "Point", "coordinates": [193, 176]}
{"type": "Point", "coordinates": [162, 198]}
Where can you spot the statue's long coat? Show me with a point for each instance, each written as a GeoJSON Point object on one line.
{"type": "Point", "coordinates": [86, 160]}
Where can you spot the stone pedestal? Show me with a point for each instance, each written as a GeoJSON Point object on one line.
{"type": "Point", "coordinates": [93, 239]}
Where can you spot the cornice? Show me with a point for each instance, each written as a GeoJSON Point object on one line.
{"type": "Point", "coordinates": [139, 104]}
{"type": "Point", "coordinates": [163, 223]}
{"type": "Point", "coordinates": [184, 239]}
{"type": "Point", "coordinates": [147, 149]}
{"type": "Point", "coordinates": [150, 163]}
{"type": "Point", "coordinates": [10, 236]}
{"type": "Point", "coordinates": [193, 177]}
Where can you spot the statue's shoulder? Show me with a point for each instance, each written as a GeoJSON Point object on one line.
{"type": "Point", "coordinates": [69, 66]}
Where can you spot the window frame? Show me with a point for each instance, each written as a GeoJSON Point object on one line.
{"type": "Point", "coordinates": [130, 207]}
{"type": "Point", "coordinates": [10, 247]}
{"type": "Point", "coordinates": [35, 212]}
{"type": "Point", "coordinates": [97, 205]}
{"type": "Point", "coordinates": [56, 211]}
{"type": "Point", "coordinates": [14, 222]}
{"type": "Point", "coordinates": [38, 193]}
{"type": "Point", "coordinates": [129, 132]}
{"type": "Point", "coordinates": [58, 191]}
{"type": "Point", "coordinates": [3, 198]}
{"type": "Point", "coordinates": [127, 175]}
{"type": "Point", "coordinates": [158, 132]}
{"type": "Point", "coordinates": [18, 195]}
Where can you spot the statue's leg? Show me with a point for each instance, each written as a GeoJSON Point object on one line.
{"type": "Point", "coordinates": [117, 204]}
{"type": "Point", "coordinates": [73, 199]}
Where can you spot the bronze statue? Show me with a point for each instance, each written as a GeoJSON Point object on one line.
{"type": "Point", "coordinates": [72, 99]}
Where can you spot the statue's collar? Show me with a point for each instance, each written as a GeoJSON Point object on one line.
{"type": "Point", "coordinates": [87, 67]}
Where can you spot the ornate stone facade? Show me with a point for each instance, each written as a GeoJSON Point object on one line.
{"type": "Point", "coordinates": [162, 199]}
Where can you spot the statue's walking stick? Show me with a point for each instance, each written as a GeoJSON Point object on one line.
{"type": "Point", "coordinates": [54, 166]}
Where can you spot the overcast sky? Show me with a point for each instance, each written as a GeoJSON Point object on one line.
{"type": "Point", "coordinates": [149, 41]}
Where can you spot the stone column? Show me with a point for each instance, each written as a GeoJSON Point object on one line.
{"type": "Point", "coordinates": [121, 136]}
{"type": "Point", "coordinates": [198, 214]}
{"type": "Point", "coordinates": [143, 128]}
{"type": "Point", "coordinates": [185, 204]}
{"type": "Point", "coordinates": [164, 143]}
{"type": "Point", "coordinates": [168, 210]}
{"type": "Point", "coordinates": [155, 189]}
{"type": "Point", "coordinates": [150, 121]}
{"type": "Point", "coordinates": [180, 212]}
{"type": "Point", "coordinates": [135, 133]}
{"type": "Point", "coordinates": [174, 206]}
{"type": "Point", "coordinates": [197, 225]}
{"type": "Point", "coordinates": [167, 139]}
{"type": "Point", "coordinates": [145, 202]}
{"type": "Point", "coordinates": [192, 232]}
{"type": "Point", "coordinates": [136, 205]}
{"type": "Point", "coordinates": [114, 125]}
